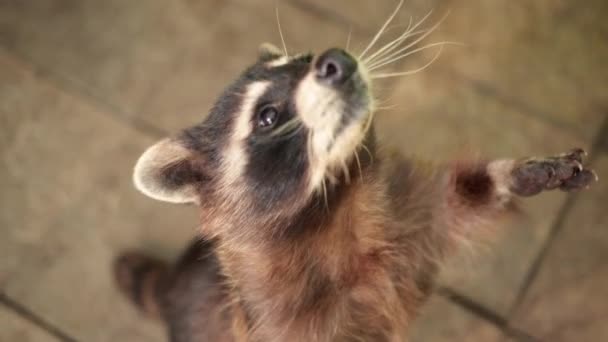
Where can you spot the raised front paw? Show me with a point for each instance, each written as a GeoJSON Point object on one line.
{"type": "Point", "coordinates": [565, 171]}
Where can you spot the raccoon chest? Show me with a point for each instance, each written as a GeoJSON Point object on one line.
{"type": "Point", "coordinates": [360, 300]}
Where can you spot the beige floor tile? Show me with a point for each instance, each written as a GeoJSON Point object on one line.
{"type": "Point", "coordinates": [163, 61]}
{"type": "Point", "coordinates": [442, 321]}
{"type": "Point", "coordinates": [118, 51]}
{"type": "Point", "coordinates": [185, 95]}
{"type": "Point", "coordinates": [68, 208]}
{"type": "Point", "coordinates": [568, 300]}
{"type": "Point", "coordinates": [548, 57]}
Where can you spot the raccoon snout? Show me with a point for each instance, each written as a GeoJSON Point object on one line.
{"type": "Point", "coordinates": [335, 66]}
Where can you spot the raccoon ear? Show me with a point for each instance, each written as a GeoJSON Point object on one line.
{"type": "Point", "coordinates": [167, 172]}
{"type": "Point", "coordinates": [269, 51]}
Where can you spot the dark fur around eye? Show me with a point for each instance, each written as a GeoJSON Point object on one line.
{"type": "Point", "coordinates": [307, 58]}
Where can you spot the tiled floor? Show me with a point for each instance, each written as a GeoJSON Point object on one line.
{"type": "Point", "coordinates": [85, 86]}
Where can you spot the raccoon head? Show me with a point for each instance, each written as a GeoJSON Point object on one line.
{"type": "Point", "coordinates": [273, 139]}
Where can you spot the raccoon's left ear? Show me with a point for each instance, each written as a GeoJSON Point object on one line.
{"type": "Point", "coordinates": [168, 171]}
{"type": "Point", "coordinates": [268, 51]}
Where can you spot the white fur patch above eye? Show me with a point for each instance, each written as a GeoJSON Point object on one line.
{"type": "Point", "coordinates": [148, 173]}
{"type": "Point", "coordinates": [235, 158]}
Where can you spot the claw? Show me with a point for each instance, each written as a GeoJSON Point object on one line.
{"type": "Point", "coordinates": [575, 154]}
{"type": "Point", "coordinates": [579, 150]}
{"type": "Point", "coordinates": [597, 178]}
{"type": "Point", "coordinates": [579, 166]}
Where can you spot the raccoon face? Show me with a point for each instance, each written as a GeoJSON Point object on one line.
{"type": "Point", "coordinates": [274, 136]}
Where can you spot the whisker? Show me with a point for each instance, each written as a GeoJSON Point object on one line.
{"type": "Point", "coordinates": [285, 127]}
{"type": "Point", "coordinates": [411, 72]}
{"type": "Point", "coordinates": [293, 132]}
{"type": "Point", "coordinates": [396, 26]}
{"type": "Point", "coordinates": [280, 30]}
{"type": "Point", "coordinates": [371, 156]}
{"type": "Point", "coordinates": [324, 187]}
{"type": "Point", "coordinates": [408, 33]}
{"type": "Point", "coordinates": [368, 124]}
{"type": "Point", "coordinates": [346, 172]}
{"type": "Point", "coordinates": [333, 179]}
{"type": "Point", "coordinates": [393, 45]}
{"type": "Point", "coordinates": [416, 41]}
{"type": "Point", "coordinates": [393, 106]}
{"type": "Point", "coordinates": [350, 33]}
{"type": "Point", "coordinates": [359, 164]}
{"type": "Point", "coordinates": [377, 36]}
{"type": "Point", "coordinates": [378, 66]}
{"type": "Point", "coordinates": [407, 29]}
{"type": "Point", "coordinates": [395, 41]}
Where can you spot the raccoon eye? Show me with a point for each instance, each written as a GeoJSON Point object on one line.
{"type": "Point", "coordinates": [267, 117]}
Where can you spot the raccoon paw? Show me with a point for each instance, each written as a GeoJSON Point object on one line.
{"type": "Point", "coordinates": [565, 171]}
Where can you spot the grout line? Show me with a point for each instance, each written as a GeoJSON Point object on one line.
{"type": "Point", "coordinates": [538, 260]}
{"type": "Point", "coordinates": [557, 227]}
{"type": "Point", "coordinates": [33, 318]}
{"type": "Point", "coordinates": [485, 314]}
{"type": "Point", "coordinates": [78, 89]}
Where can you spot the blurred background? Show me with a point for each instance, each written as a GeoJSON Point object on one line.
{"type": "Point", "coordinates": [87, 85]}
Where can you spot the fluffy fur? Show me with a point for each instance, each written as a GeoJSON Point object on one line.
{"type": "Point", "coordinates": [309, 231]}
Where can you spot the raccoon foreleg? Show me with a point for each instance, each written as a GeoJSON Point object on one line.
{"type": "Point", "coordinates": [479, 192]}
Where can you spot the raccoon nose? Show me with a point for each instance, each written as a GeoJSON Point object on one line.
{"type": "Point", "coordinates": [335, 66]}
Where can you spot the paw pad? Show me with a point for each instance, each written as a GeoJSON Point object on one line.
{"type": "Point", "coordinates": [565, 171]}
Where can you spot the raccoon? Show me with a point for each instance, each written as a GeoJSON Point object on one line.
{"type": "Point", "coordinates": [311, 231]}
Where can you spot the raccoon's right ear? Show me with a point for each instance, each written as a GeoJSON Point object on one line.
{"type": "Point", "coordinates": [168, 171]}
{"type": "Point", "coordinates": [269, 51]}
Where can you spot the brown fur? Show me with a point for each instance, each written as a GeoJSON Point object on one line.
{"type": "Point", "coordinates": [357, 270]}
{"type": "Point", "coordinates": [285, 256]}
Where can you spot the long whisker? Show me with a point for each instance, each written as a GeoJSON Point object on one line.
{"type": "Point", "coordinates": [416, 41]}
{"type": "Point", "coordinates": [368, 124]}
{"type": "Point", "coordinates": [324, 187]}
{"type": "Point", "coordinates": [392, 46]}
{"type": "Point", "coordinates": [408, 33]}
{"type": "Point", "coordinates": [346, 172]}
{"type": "Point", "coordinates": [287, 127]}
{"type": "Point", "coordinates": [293, 131]}
{"type": "Point", "coordinates": [375, 60]}
{"type": "Point", "coordinates": [369, 153]}
{"type": "Point", "coordinates": [377, 36]}
{"type": "Point", "coordinates": [396, 40]}
{"type": "Point", "coordinates": [411, 72]}
{"type": "Point", "coordinates": [386, 100]}
{"type": "Point", "coordinates": [381, 108]}
{"type": "Point", "coordinates": [409, 53]}
{"type": "Point", "coordinates": [281, 31]}
{"type": "Point", "coordinates": [329, 175]}
{"type": "Point", "coordinates": [358, 164]}
{"type": "Point", "coordinates": [350, 33]}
